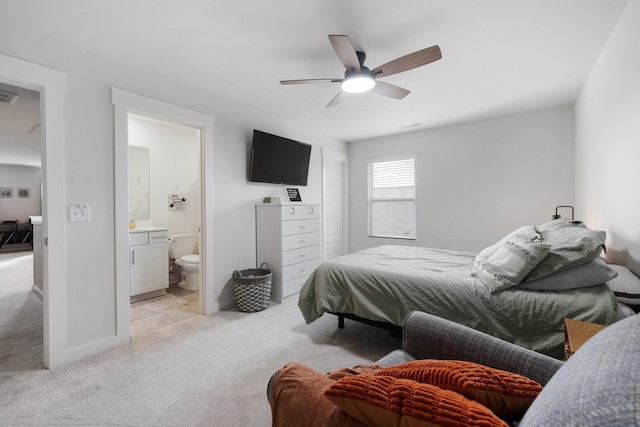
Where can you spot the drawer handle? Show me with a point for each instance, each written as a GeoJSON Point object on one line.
{"type": "Point", "coordinates": [310, 209]}
{"type": "Point", "coordinates": [302, 256]}
{"type": "Point", "coordinates": [302, 227]}
{"type": "Point", "coordinates": [292, 211]}
{"type": "Point", "coordinates": [302, 270]}
{"type": "Point", "coordinates": [133, 257]}
{"type": "Point", "coordinates": [302, 241]}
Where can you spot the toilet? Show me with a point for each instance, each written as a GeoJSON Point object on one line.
{"type": "Point", "coordinates": [181, 248]}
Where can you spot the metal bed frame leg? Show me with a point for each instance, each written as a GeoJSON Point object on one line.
{"type": "Point", "coordinates": [340, 321]}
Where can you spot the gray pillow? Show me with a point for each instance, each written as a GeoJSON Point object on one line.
{"type": "Point", "coordinates": [626, 286]}
{"type": "Point", "coordinates": [506, 263]}
{"type": "Point", "coordinates": [572, 244]}
{"type": "Point", "coordinates": [597, 386]}
{"type": "Point", "coordinates": [592, 273]}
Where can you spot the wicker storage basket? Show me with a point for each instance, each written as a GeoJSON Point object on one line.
{"type": "Point", "coordinates": [252, 288]}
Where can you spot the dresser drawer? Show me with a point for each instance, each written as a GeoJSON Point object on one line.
{"type": "Point", "coordinates": [300, 226]}
{"type": "Point", "coordinates": [300, 269]}
{"type": "Point", "coordinates": [299, 255]}
{"type": "Point", "coordinates": [300, 212]}
{"type": "Point", "coordinates": [293, 286]}
{"type": "Point", "coordinates": [296, 241]}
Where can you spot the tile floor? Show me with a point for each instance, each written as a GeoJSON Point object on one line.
{"type": "Point", "coordinates": [171, 316]}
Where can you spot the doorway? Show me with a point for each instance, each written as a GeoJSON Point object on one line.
{"type": "Point", "coordinates": [126, 103]}
{"type": "Point", "coordinates": [164, 196]}
{"type": "Point", "coordinates": [335, 184]}
{"type": "Point", "coordinates": [21, 327]}
{"type": "Point", "coordinates": [54, 291]}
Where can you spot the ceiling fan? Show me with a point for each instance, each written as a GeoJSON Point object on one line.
{"type": "Point", "coordinates": [358, 78]}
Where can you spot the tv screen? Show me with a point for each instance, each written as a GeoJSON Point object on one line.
{"type": "Point", "coordinates": [278, 160]}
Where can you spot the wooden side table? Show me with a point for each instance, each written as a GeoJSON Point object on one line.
{"type": "Point", "coordinates": [576, 333]}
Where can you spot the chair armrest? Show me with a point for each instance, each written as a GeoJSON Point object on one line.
{"type": "Point", "coordinates": [430, 337]}
{"type": "Point", "coordinates": [270, 384]}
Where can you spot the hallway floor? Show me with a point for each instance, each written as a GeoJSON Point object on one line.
{"type": "Point", "coordinates": [21, 331]}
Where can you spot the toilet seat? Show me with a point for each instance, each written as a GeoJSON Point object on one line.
{"type": "Point", "coordinates": [190, 259]}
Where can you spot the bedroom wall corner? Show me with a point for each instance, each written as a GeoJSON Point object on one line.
{"type": "Point", "coordinates": [607, 148]}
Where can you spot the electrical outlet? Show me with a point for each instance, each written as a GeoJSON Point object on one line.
{"type": "Point", "coordinates": [79, 213]}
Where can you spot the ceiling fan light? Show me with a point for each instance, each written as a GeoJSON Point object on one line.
{"type": "Point", "coordinates": [357, 83]}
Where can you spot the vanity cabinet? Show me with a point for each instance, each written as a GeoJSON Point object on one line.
{"type": "Point", "coordinates": [148, 260]}
{"type": "Point", "coordinates": [288, 239]}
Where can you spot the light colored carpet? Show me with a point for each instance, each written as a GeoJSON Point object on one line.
{"type": "Point", "coordinates": [151, 306]}
{"type": "Point", "coordinates": [201, 371]}
{"type": "Point", "coordinates": [20, 315]}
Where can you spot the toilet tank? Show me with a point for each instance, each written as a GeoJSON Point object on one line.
{"type": "Point", "coordinates": [181, 245]}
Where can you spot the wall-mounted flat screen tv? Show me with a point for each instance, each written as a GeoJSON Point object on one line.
{"type": "Point", "coordinates": [278, 160]}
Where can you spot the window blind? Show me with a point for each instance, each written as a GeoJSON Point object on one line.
{"type": "Point", "coordinates": [391, 198]}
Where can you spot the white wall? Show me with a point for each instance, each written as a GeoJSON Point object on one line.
{"type": "Point", "coordinates": [14, 177]}
{"type": "Point", "coordinates": [89, 176]}
{"type": "Point", "coordinates": [234, 218]}
{"type": "Point", "coordinates": [477, 181]}
{"type": "Point", "coordinates": [608, 142]}
{"type": "Point", "coordinates": [174, 162]}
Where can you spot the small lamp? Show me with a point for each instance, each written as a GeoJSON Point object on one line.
{"type": "Point", "coordinates": [557, 216]}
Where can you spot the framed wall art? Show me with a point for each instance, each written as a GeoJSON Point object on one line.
{"type": "Point", "coordinates": [6, 192]}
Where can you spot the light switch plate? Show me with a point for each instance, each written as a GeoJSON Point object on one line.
{"type": "Point", "coordinates": [79, 213]}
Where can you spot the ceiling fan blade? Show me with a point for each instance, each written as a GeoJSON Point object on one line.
{"type": "Point", "coordinates": [345, 51]}
{"type": "Point", "coordinates": [336, 100]}
{"type": "Point", "coordinates": [307, 81]}
{"type": "Point", "coordinates": [392, 91]}
{"type": "Point", "coordinates": [408, 62]}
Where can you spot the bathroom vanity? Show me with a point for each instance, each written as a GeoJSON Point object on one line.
{"type": "Point", "coordinates": [148, 260]}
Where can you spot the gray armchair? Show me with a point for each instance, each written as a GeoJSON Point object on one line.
{"type": "Point", "coordinates": [430, 337]}
{"type": "Point", "coordinates": [599, 385]}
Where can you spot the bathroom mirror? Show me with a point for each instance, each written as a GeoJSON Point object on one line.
{"type": "Point", "coordinates": [139, 189]}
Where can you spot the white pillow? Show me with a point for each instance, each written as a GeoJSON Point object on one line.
{"type": "Point", "coordinates": [626, 286]}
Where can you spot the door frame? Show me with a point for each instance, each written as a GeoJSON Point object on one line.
{"type": "Point", "coordinates": [127, 102]}
{"type": "Point", "coordinates": [343, 158]}
{"type": "Point", "coordinates": [51, 84]}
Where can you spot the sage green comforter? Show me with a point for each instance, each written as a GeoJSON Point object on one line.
{"type": "Point", "coordinates": [385, 283]}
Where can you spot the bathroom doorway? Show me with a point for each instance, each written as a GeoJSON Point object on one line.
{"type": "Point", "coordinates": [126, 104]}
{"type": "Point", "coordinates": [165, 201]}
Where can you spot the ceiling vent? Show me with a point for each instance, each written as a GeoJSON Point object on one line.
{"type": "Point", "coordinates": [8, 97]}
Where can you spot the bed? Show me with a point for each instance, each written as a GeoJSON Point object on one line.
{"type": "Point", "coordinates": [495, 291]}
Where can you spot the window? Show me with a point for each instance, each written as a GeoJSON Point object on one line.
{"type": "Point", "coordinates": [392, 198]}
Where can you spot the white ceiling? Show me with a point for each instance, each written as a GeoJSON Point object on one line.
{"type": "Point", "coordinates": [499, 56]}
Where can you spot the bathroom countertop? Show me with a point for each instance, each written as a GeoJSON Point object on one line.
{"type": "Point", "coordinates": [147, 229]}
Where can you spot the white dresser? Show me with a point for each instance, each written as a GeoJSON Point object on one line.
{"type": "Point", "coordinates": [288, 239]}
{"type": "Point", "coordinates": [148, 260]}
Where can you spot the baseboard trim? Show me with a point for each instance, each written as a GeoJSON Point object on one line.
{"type": "Point", "coordinates": [38, 292]}
{"type": "Point", "coordinates": [90, 349]}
